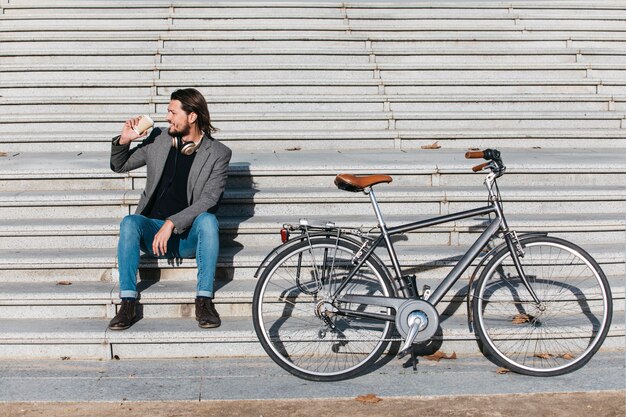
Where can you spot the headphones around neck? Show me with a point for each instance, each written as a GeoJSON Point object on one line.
{"type": "Point", "coordinates": [185, 148]}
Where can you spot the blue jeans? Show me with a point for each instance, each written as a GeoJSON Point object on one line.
{"type": "Point", "coordinates": [201, 241]}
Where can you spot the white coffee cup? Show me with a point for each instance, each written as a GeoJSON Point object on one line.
{"type": "Point", "coordinates": [144, 124]}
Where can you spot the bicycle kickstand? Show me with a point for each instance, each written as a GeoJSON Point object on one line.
{"type": "Point", "coordinates": [414, 361]}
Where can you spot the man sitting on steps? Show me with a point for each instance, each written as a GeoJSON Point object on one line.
{"type": "Point", "coordinates": [186, 176]}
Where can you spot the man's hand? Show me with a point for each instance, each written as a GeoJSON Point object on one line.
{"type": "Point", "coordinates": [128, 134]}
{"type": "Point", "coordinates": [159, 244]}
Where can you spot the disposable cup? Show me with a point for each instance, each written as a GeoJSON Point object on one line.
{"type": "Point", "coordinates": [144, 124]}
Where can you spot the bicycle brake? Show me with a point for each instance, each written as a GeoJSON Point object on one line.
{"type": "Point", "coordinates": [357, 256]}
{"type": "Point", "coordinates": [517, 244]}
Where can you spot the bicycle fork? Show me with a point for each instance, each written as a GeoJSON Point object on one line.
{"type": "Point", "coordinates": [512, 242]}
{"type": "Point", "coordinates": [516, 251]}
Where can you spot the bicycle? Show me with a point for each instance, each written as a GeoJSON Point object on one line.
{"type": "Point", "coordinates": [326, 305]}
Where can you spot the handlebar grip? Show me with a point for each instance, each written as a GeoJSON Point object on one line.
{"type": "Point", "coordinates": [480, 167]}
{"type": "Point", "coordinates": [474, 154]}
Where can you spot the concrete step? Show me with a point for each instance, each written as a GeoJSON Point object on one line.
{"type": "Point", "coordinates": [35, 264]}
{"type": "Point", "coordinates": [162, 101]}
{"type": "Point", "coordinates": [240, 56]}
{"type": "Point", "coordinates": [298, 202]}
{"type": "Point", "coordinates": [290, 104]}
{"type": "Point", "coordinates": [14, 141]}
{"type": "Point", "coordinates": [550, 9]}
{"type": "Point", "coordinates": [23, 175]}
{"type": "Point", "coordinates": [335, 24]}
{"type": "Point", "coordinates": [594, 120]}
{"type": "Point", "coordinates": [411, 167]}
{"type": "Point", "coordinates": [92, 300]}
{"type": "Point", "coordinates": [379, 120]}
{"type": "Point", "coordinates": [341, 36]}
{"type": "Point", "coordinates": [255, 231]}
{"type": "Point", "coordinates": [150, 338]}
{"type": "Point", "coordinates": [175, 299]}
{"type": "Point", "coordinates": [82, 87]}
{"type": "Point", "coordinates": [462, 70]}
{"type": "Point", "coordinates": [286, 72]}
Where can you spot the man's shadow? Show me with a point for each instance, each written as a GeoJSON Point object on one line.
{"type": "Point", "coordinates": [237, 207]}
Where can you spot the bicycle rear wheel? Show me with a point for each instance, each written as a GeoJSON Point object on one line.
{"type": "Point", "coordinates": [299, 324]}
{"type": "Point", "coordinates": [560, 334]}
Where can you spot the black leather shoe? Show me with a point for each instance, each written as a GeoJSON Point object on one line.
{"type": "Point", "coordinates": [206, 315]}
{"type": "Point", "coordinates": [125, 317]}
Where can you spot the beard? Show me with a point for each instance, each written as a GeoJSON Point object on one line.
{"type": "Point", "coordinates": [178, 133]}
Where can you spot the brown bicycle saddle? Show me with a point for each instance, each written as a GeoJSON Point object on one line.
{"type": "Point", "coordinates": [349, 182]}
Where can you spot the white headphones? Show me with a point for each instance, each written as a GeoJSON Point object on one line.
{"type": "Point", "coordinates": [185, 148]}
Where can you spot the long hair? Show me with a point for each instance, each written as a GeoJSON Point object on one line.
{"type": "Point", "coordinates": [193, 101]}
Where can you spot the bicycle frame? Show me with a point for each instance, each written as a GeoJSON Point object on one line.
{"type": "Point", "coordinates": [460, 267]}
{"type": "Point", "coordinates": [497, 225]}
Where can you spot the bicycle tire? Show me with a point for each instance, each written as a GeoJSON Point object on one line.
{"type": "Point", "coordinates": [290, 291]}
{"type": "Point", "coordinates": [567, 333]}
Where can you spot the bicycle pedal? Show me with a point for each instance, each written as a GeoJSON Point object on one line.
{"type": "Point", "coordinates": [404, 352]}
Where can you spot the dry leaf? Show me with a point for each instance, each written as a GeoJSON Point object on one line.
{"type": "Point", "coordinates": [521, 319]}
{"type": "Point", "coordinates": [64, 283]}
{"type": "Point", "coordinates": [502, 371]}
{"type": "Point", "coordinates": [440, 355]}
{"type": "Point", "coordinates": [431, 146]}
{"type": "Point", "coordinates": [543, 355]}
{"type": "Point", "coordinates": [567, 356]}
{"type": "Point", "coordinates": [3, 154]}
{"type": "Point", "coordinates": [369, 399]}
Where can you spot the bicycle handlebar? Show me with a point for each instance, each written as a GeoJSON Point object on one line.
{"type": "Point", "coordinates": [480, 167]}
{"type": "Point", "coordinates": [489, 155]}
{"type": "Point", "coordinates": [474, 154]}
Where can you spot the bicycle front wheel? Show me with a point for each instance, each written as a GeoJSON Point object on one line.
{"type": "Point", "coordinates": [563, 331]}
{"type": "Point", "coordinates": [299, 321]}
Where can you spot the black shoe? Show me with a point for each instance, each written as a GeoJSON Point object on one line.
{"type": "Point", "coordinates": [206, 315]}
{"type": "Point", "coordinates": [125, 317]}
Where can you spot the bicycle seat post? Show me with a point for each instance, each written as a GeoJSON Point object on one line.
{"type": "Point", "coordinates": [379, 216]}
{"type": "Point", "coordinates": [383, 229]}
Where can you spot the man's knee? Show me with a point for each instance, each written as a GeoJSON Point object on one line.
{"type": "Point", "coordinates": [130, 225]}
{"type": "Point", "coordinates": [206, 224]}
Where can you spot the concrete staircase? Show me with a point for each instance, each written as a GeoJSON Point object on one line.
{"type": "Point", "coordinates": [301, 92]}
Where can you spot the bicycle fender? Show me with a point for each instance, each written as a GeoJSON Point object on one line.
{"type": "Point", "coordinates": [297, 239]}
{"type": "Point", "coordinates": [485, 259]}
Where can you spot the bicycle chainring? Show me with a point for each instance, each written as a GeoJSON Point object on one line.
{"type": "Point", "coordinates": [411, 306]}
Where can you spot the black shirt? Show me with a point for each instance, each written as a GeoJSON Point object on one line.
{"type": "Point", "coordinates": [171, 193]}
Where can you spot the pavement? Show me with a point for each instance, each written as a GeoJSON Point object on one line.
{"type": "Point", "coordinates": [244, 386]}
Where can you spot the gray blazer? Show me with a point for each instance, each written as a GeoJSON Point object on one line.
{"type": "Point", "coordinates": [207, 177]}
